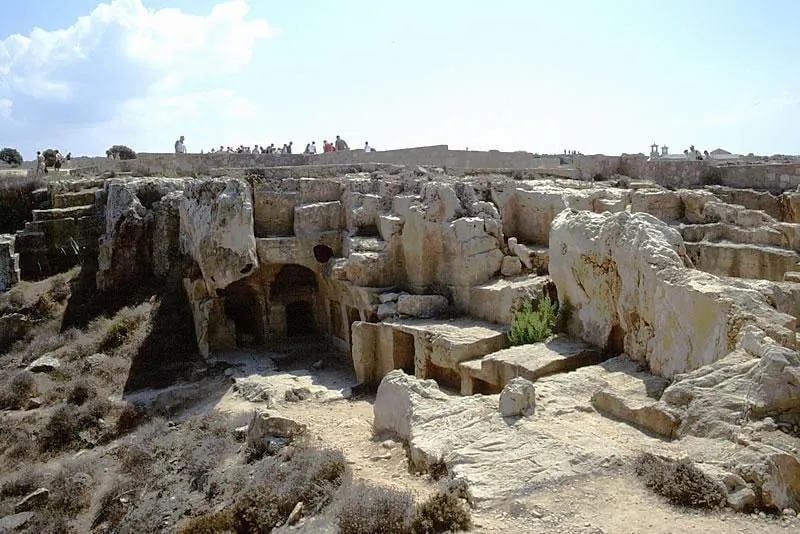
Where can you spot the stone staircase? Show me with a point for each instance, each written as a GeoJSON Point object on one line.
{"type": "Point", "coordinates": [66, 223]}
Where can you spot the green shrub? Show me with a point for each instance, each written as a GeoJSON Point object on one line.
{"type": "Point", "coordinates": [11, 156]}
{"type": "Point", "coordinates": [368, 509]}
{"type": "Point", "coordinates": [679, 481]}
{"type": "Point", "coordinates": [49, 157]}
{"type": "Point", "coordinates": [121, 152]}
{"type": "Point", "coordinates": [533, 326]}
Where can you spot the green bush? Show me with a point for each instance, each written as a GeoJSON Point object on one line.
{"type": "Point", "coordinates": [215, 523]}
{"type": "Point", "coordinates": [533, 326]}
{"type": "Point", "coordinates": [49, 157]}
{"type": "Point", "coordinates": [121, 152]}
{"type": "Point", "coordinates": [11, 156]}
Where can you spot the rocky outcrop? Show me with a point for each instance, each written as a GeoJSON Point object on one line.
{"type": "Point", "coordinates": [625, 278]}
{"type": "Point", "coordinates": [9, 263]}
{"type": "Point", "coordinates": [216, 222]}
{"type": "Point", "coordinates": [139, 226]}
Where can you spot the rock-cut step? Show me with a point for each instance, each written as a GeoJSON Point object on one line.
{"type": "Point", "coordinates": [561, 354]}
{"type": "Point", "coordinates": [75, 198]}
{"type": "Point", "coordinates": [63, 213]}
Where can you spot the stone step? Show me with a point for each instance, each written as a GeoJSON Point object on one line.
{"type": "Point", "coordinates": [631, 395]}
{"type": "Point", "coordinates": [76, 198]}
{"type": "Point", "coordinates": [559, 355]}
{"type": "Point", "coordinates": [742, 260]}
{"type": "Point", "coordinates": [63, 213]}
{"type": "Point", "coordinates": [440, 345]}
{"type": "Point", "coordinates": [26, 240]}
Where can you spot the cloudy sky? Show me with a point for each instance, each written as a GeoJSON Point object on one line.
{"type": "Point", "coordinates": [597, 76]}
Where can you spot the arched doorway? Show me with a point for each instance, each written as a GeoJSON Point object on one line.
{"type": "Point", "coordinates": [295, 290]}
{"type": "Point", "coordinates": [299, 318]}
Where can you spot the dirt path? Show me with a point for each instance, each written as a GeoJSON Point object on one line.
{"type": "Point", "coordinates": [614, 503]}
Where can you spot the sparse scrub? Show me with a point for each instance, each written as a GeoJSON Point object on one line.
{"type": "Point", "coordinates": [679, 481]}
{"type": "Point", "coordinates": [80, 392]}
{"type": "Point", "coordinates": [131, 416]}
{"type": "Point", "coordinates": [61, 430]}
{"type": "Point", "coordinates": [214, 523]}
{"type": "Point", "coordinates": [532, 326]}
{"type": "Point", "coordinates": [445, 511]}
{"type": "Point", "coordinates": [21, 483]}
{"type": "Point", "coordinates": [17, 202]}
{"type": "Point", "coordinates": [369, 509]}
{"type": "Point", "coordinates": [16, 392]}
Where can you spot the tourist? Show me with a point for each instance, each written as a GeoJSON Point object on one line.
{"type": "Point", "coordinates": [180, 146]}
{"type": "Point", "coordinates": [289, 148]}
{"type": "Point", "coordinates": [312, 149]}
{"type": "Point", "coordinates": [340, 144]}
{"type": "Point", "coordinates": [308, 149]}
{"type": "Point", "coordinates": [366, 146]}
{"type": "Point", "coordinates": [40, 163]}
{"type": "Point", "coordinates": [59, 161]}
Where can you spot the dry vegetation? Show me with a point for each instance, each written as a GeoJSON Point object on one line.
{"type": "Point", "coordinates": [16, 200]}
{"type": "Point", "coordinates": [112, 466]}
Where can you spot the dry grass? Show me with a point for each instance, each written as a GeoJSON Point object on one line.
{"type": "Point", "coordinates": [679, 481]}
{"type": "Point", "coordinates": [16, 201]}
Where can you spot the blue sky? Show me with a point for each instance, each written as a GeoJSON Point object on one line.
{"type": "Point", "coordinates": [597, 76]}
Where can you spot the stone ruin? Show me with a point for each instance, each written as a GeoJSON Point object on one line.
{"type": "Point", "coordinates": [684, 303]}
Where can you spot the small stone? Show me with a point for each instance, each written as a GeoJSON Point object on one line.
{"type": "Point", "coordinates": [388, 297]}
{"type": "Point", "coordinates": [386, 310]}
{"type": "Point", "coordinates": [302, 393]}
{"type": "Point", "coordinates": [33, 403]}
{"type": "Point", "coordinates": [789, 512]}
{"type": "Point", "coordinates": [518, 398]}
{"type": "Point", "coordinates": [388, 444]}
{"type": "Point", "coordinates": [290, 396]}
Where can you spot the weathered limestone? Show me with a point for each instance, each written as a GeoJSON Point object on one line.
{"type": "Point", "coordinates": [742, 261]}
{"type": "Point", "coordinates": [497, 301]}
{"type": "Point", "coordinates": [624, 277]}
{"type": "Point", "coordinates": [518, 398]}
{"type": "Point", "coordinates": [138, 228]}
{"type": "Point", "coordinates": [9, 263]}
{"type": "Point", "coordinates": [422, 306]}
{"type": "Point", "coordinates": [217, 230]}
{"type": "Point", "coordinates": [213, 330]}
{"type": "Point", "coordinates": [494, 371]}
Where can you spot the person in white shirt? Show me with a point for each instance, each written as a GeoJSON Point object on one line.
{"type": "Point", "coordinates": [313, 148]}
{"type": "Point", "coordinates": [366, 147]}
{"type": "Point", "coordinates": [180, 147]}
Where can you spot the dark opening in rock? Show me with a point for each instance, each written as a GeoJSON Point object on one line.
{"type": "Point", "coordinates": [323, 253]}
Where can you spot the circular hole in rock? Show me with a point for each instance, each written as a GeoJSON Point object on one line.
{"type": "Point", "coordinates": [323, 253]}
{"type": "Point", "coordinates": [247, 268]}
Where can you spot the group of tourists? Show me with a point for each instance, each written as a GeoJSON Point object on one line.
{"type": "Point", "coordinates": [57, 158]}
{"type": "Point", "coordinates": [338, 145]}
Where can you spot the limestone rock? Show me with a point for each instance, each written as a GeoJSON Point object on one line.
{"type": "Point", "coordinates": [387, 309]}
{"type": "Point", "coordinates": [217, 230]}
{"type": "Point", "coordinates": [12, 523]}
{"type": "Point", "coordinates": [271, 432]}
{"type": "Point", "coordinates": [624, 277]}
{"type": "Point", "coordinates": [398, 396]}
{"type": "Point", "coordinates": [166, 232]}
{"type": "Point", "coordinates": [518, 398]}
{"type": "Point", "coordinates": [32, 501]}
{"type": "Point", "coordinates": [423, 306]}
{"type": "Point", "coordinates": [511, 266]}
{"type": "Point", "coordinates": [44, 364]}
{"type": "Point", "coordinates": [9, 263]}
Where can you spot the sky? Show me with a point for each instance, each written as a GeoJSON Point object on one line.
{"type": "Point", "coordinates": [542, 76]}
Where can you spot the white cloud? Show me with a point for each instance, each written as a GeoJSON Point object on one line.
{"type": "Point", "coordinates": [121, 61]}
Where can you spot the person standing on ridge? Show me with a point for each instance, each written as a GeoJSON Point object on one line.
{"type": "Point", "coordinates": [341, 144]}
{"type": "Point", "coordinates": [180, 147]}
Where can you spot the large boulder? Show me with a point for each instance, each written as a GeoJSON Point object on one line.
{"type": "Point", "coordinates": [625, 280]}
{"type": "Point", "coordinates": [217, 230]}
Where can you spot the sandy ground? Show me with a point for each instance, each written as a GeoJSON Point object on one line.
{"type": "Point", "coordinates": [614, 502]}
